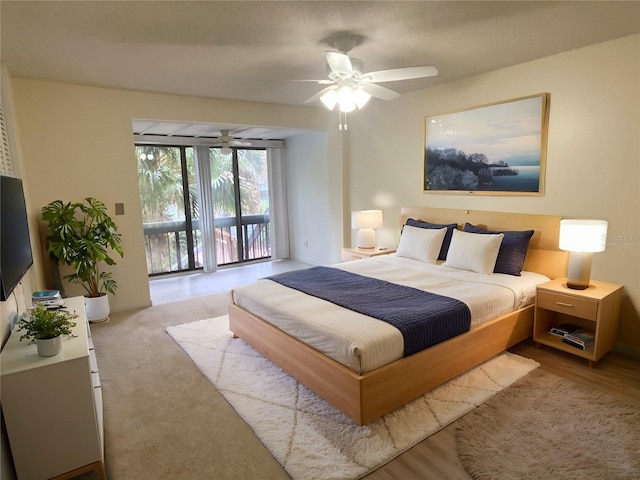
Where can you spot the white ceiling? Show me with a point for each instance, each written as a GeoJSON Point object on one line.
{"type": "Point", "coordinates": [255, 51]}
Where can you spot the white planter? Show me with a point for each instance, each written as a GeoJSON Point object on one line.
{"type": "Point", "coordinates": [97, 308]}
{"type": "Point", "coordinates": [48, 347]}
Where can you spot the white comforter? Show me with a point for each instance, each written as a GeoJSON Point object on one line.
{"type": "Point", "coordinates": [362, 343]}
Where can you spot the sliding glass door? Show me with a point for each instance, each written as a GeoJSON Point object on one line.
{"type": "Point", "coordinates": [240, 188]}
{"type": "Point", "coordinates": [170, 210]}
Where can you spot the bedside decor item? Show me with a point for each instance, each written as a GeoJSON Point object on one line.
{"type": "Point", "coordinates": [494, 149]}
{"type": "Point", "coordinates": [80, 236]}
{"type": "Point", "coordinates": [366, 221]}
{"type": "Point", "coordinates": [45, 327]}
{"type": "Point", "coordinates": [581, 238]}
{"type": "Point", "coordinates": [563, 311]}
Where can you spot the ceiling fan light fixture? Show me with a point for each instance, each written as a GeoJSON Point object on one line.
{"type": "Point", "coordinates": [361, 97]}
{"type": "Point", "coordinates": [330, 99]}
{"type": "Point", "coordinates": [346, 99]}
{"type": "Point", "coordinates": [226, 150]}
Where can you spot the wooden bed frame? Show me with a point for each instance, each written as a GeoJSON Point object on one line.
{"type": "Point", "coordinates": [366, 397]}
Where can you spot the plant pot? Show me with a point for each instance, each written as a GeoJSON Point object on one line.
{"type": "Point", "coordinates": [48, 347]}
{"type": "Point", "coordinates": [97, 308]}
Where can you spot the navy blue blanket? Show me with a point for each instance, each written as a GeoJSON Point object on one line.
{"type": "Point", "coordinates": [424, 318]}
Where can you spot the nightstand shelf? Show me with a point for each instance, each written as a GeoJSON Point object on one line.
{"type": "Point", "coordinates": [349, 254]}
{"type": "Point", "coordinates": [595, 309]}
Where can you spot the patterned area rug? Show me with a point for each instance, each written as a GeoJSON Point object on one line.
{"type": "Point", "coordinates": [544, 427]}
{"type": "Point", "coordinates": [310, 438]}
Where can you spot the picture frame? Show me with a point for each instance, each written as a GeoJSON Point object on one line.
{"type": "Point", "coordinates": [494, 149]}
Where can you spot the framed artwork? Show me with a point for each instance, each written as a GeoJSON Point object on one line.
{"type": "Point", "coordinates": [495, 149]}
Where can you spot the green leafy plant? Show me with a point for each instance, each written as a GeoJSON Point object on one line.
{"type": "Point", "coordinates": [43, 323]}
{"type": "Point", "coordinates": [82, 235]}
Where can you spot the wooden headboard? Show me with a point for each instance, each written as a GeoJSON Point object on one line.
{"type": "Point", "coordinates": [543, 255]}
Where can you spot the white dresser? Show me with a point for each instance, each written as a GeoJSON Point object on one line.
{"type": "Point", "coordinates": [53, 405]}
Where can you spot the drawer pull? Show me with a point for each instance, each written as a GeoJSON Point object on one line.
{"type": "Point", "coordinates": [564, 304]}
{"type": "Point", "coordinates": [97, 387]}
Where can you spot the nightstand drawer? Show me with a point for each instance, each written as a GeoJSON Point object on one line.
{"type": "Point", "coordinates": [578, 307]}
{"type": "Point", "coordinates": [350, 256]}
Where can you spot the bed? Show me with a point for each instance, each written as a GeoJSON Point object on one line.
{"type": "Point", "coordinates": [366, 392]}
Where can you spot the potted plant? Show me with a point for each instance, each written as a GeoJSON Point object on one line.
{"type": "Point", "coordinates": [45, 327]}
{"type": "Point", "coordinates": [82, 235]}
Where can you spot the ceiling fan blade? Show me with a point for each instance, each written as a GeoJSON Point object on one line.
{"type": "Point", "coordinates": [380, 92]}
{"type": "Point", "coordinates": [340, 63]}
{"type": "Point", "coordinates": [318, 95]}
{"type": "Point", "coordinates": [321, 82]}
{"type": "Point", "coordinates": [401, 74]}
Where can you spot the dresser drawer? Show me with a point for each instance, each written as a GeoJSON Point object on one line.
{"type": "Point", "coordinates": [578, 307]}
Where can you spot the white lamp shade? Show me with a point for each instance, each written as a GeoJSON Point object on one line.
{"type": "Point", "coordinates": [329, 99]}
{"type": "Point", "coordinates": [583, 235]}
{"type": "Point", "coordinates": [361, 97]}
{"type": "Point", "coordinates": [366, 219]}
{"type": "Point", "coordinates": [346, 99]}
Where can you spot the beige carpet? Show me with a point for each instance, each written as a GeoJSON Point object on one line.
{"type": "Point", "coordinates": [548, 427]}
{"type": "Point", "coordinates": [163, 419]}
{"type": "Point", "coordinates": [309, 437]}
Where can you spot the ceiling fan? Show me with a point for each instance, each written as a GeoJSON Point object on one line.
{"type": "Point", "coordinates": [350, 87]}
{"type": "Point", "coordinates": [226, 141]}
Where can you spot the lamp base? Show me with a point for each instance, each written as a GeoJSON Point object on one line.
{"type": "Point", "coordinates": [366, 238]}
{"type": "Point", "coordinates": [579, 270]}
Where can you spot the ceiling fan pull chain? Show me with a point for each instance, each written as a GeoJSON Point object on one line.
{"type": "Point", "coordinates": [342, 123]}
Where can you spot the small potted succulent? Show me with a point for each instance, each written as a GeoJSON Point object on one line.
{"type": "Point", "coordinates": [46, 328]}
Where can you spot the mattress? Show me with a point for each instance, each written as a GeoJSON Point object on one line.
{"type": "Point", "coordinates": [363, 343]}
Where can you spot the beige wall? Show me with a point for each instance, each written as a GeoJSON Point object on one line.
{"type": "Point", "coordinates": [77, 142]}
{"type": "Point", "coordinates": [592, 163]}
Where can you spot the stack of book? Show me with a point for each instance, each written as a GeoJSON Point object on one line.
{"type": "Point", "coordinates": [574, 336]}
{"type": "Point", "coordinates": [581, 339]}
{"type": "Point", "coordinates": [48, 298]}
{"type": "Point", "coordinates": [562, 330]}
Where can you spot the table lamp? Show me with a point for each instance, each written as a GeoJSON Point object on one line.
{"type": "Point", "coordinates": [581, 238]}
{"type": "Point", "coordinates": [366, 221]}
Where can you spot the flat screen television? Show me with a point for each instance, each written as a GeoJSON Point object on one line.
{"type": "Point", "coordinates": [15, 244]}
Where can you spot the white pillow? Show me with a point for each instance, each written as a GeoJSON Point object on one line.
{"type": "Point", "coordinates": [421, 243]}
{"type": "Point", "coordinates": [473, 251]}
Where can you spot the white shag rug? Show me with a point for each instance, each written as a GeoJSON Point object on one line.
{"type": "Point", "coordinates": [309, 437]}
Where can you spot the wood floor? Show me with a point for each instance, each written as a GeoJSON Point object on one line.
{"type": "Point", "coordinates": [436, 457]}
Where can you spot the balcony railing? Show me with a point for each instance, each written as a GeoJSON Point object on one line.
{"type": "Point", "coordinates": [166, 242]}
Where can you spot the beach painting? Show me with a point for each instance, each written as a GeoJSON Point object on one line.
{"type": "Point", "coordinates": [496, 149]}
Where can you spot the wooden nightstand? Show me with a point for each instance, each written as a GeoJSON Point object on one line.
{"type": "Point", "coordinates": [596, 309]}
{"type": "Point", "coordinates": [349, 254]}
